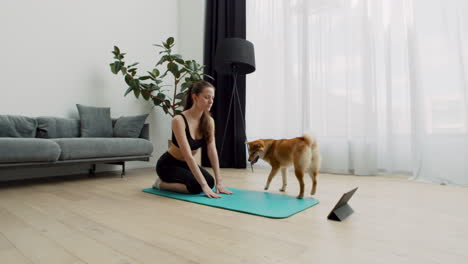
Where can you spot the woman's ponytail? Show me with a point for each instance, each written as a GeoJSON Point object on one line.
{"type": "Point", "coordinates": [188, 98]}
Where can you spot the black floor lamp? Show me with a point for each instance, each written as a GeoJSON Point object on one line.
{"type": "Point", "coordinates": [234, 56]}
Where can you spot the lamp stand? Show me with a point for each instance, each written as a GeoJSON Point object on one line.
{"type": "Point", "coordinates": [234, 95]}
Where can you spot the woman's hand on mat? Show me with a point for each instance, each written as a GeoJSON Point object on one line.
{"type": "Point", "coordinates": [220, 189]}
{"type": "Point", "coordinates": [209, 193]}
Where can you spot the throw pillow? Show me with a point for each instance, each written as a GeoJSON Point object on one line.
{"type": "Point", "coordinates": [17, 126]}
{"type": "Point", "coordinates": [129, 126]}
{"type": "Point", "coordinates": [95, 121]}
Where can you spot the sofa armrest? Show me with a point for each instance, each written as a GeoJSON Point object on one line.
{"type": "Point", "coordinates": [145, 132]}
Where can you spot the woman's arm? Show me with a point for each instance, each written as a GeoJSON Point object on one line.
{"type": "Point", "coordinates": [178, 127]}
{"type": "Point", "coordinates": [213, 156]}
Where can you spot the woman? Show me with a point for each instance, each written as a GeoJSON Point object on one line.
{"type": "Point", "coordinates": [193, 128]}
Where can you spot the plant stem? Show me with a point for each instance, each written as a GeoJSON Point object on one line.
{"type": "Point", "coordinates": [173, 98]}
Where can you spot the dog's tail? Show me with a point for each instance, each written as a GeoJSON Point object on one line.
{"type": "Point", "coordinates": [310, 140]}
{"type": "Point", "coordinates": [316, 157]}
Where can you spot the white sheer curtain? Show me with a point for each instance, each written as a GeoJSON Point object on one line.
{"type": "Point", "coordinates": [382, 84]}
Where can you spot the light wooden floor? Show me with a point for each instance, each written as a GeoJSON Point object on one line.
{"type": "Point", "coordinates": [109, 220]}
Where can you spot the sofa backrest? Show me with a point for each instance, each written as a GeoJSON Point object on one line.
{"type": "Point", "coordinates": [46, 127]}
{"type": "Point", "coordinates": [57, 127]}
{"type": "Point", "coordinates": [17, 126]}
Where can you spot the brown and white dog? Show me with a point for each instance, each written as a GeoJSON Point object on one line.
{"type": "Point", "coordinates": [302, 152]}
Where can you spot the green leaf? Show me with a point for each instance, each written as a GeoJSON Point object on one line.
{"type": "Point", "coordinates": [156, 72]}
{"type": "Point", "coordinates": [185, 85]}
{"type": "Point", "coordinates": [128, 91]}
{"type": "Point", "coordinates": [161, 96]}
{"type": "Point", "coordinates": [195, 65]}
{"type": "Point", "coordinates": [163, 59]}
{"type": "Point", "coordinates": [190, 65]}
{"type": "Point", "coordinates": [136, 63]}
{"type": "Point", "coordinates": [136, 92]}
{"type": "Point", "coordinates": [156, 102]}
{"type": "Point", "coordinates": [144, 78]}
{"type": "Point", "coordinates": [146, 95]}
{"type": "Point", "coordinates": [118, 66]}
{"type": "Point", "coordinates": [178, 59]}
{"type": "Point", "coordinates": [158, 45]}
{"type": "Point", "coordinates": [164, 74]}
{"type": "Point", "coordinates": [165, 108]}
{"type": "Point", "coordinates": [128, 79]}
{"type": "Point", "coordinates": [153, 87]}
{"type": "Point", "coordinates": [116, 50]}
{"type": "Point", "coordinates": [172, 67]}
{"type": "Point", "coordinates": [180, 96]}
{"type": "Point", "coordinates": [170, 41]}
{"type": "Point", "coordinates": [124, 70]}
{"type": "Point", "coordinates": [195, 76]}
{"type": "Point", "coordinates": [135, 83]}
{"type": "Point", "coordinates": [113, 70]}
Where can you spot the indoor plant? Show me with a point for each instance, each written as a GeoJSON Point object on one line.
{"type": "Point", "coordinates": [151, 86]}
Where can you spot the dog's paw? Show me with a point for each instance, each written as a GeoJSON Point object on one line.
{"type": "Point", "coordinates": [312, 193]}
{"type": "Point", "coordinates": [300, 196]}
{"type": "Point", "coordinates": [282, 189]}
{"type": "Point", "coordinates": [266, 188]}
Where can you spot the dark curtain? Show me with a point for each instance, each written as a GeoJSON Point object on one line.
{"type": "Point", "coordinates": [225, 19]}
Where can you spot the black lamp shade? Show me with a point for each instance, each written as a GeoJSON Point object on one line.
{"type": "Point", "coordinates": [235, 52]}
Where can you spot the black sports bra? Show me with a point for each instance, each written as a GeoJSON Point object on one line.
{"type": "Point", "coordinates": [194, 144]}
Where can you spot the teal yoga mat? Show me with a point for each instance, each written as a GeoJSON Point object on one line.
{"type": "Point", "coordinates": [265, 204]}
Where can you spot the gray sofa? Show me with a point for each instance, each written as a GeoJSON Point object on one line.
{"type": "Point", "coordinates": [55, 141]}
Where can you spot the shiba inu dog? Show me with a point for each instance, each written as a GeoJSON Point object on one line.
{"type": "Point", "coordinates": [300, 152]}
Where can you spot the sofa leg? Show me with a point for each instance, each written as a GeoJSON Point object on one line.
{"type": "Point", "coordinates": [92, 170]}
{"type": "Point", "coordinates": [123, 170]}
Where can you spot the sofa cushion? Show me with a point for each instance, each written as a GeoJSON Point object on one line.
{"type": "Point", "coordinates": [17, 126]}
{"type": "Point", "coordinates": [85, 148]}
{"type": "Point", "coordinates": [57, 127]}
{"type": "Point", "coordinates": [129, 126]}
{"type": "Point", "coordinates": [95, 121]}
{"type": "Point", "coordinates": [13, 150]}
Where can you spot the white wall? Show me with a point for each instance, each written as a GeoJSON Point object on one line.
{"type": "Point", "coordinates": [55, 54]}
{"type": "Point", "coordinates": [191, 29]}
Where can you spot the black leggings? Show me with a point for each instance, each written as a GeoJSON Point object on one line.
{"type": "Point", "coordinates": [173, 170]}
